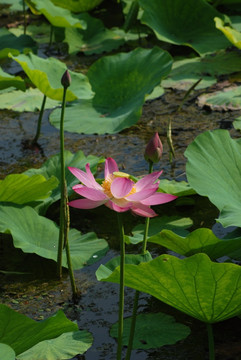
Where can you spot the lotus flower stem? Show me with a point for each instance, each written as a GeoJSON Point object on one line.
{"type": "Point", "coordinates": [122, 278]}
{"type": "Point", "coordinates": [210, 342]}
{"type": "Point", "coordinates": [25, 20]}
{"type": "Point", "coordinates": [137, 293]}
{"type": "Point", "coordinates": [35, 140]}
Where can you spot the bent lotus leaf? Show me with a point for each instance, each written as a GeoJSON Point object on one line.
{"type": "Point", "coordinates": [22, 189]}
{"type": "Point", "coordinates": [205, 290]}
{"type": "Point", "coordinates": [12, 44]}
{"type": "Point", "coordinates": [179, 22]}
{"type": "Point", "coordinates": [7, 352]}
{"type": "Point", "coordinates": [36, 234]}
{"type": "Point", "coordinates": [7, 80]}
{"type": "Point", "coordinates": [152, 331]}
{"type": "Point", "coordinates": [77, 6]}
{"type": "Point", "coordinates": [46, 75]}
{"type": "Point", "coordinates": [65, 346]}
{"type": "Point", "coordinates": [231, 34]}
{"type": "Point", "coordinates": [214, 169]}
{"type": "Point", "coordinates": [21, 333]}
{"type": "Point", "coordinates": [56, 15]}
{"type": "Point", "coordinates": [199, 241]}
{"type": "Point", "coordinates": [227, 99]}
{"type": "Point", "coordinates": [120, 83]}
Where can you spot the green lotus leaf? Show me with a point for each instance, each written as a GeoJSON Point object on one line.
{"type": "Point", "coordinates": [46, 75]}
{"type": "Point", "coordinates": [7, 80]}
{"type": "Point", "coordinates": [178, 188]}
{"type": "Point", "coordinates": [152, 331]}
{"type": "Point", "coordinates": [205, 290]}
{"type": "Point", "coordinates": [7, 352]}
{"type": "Point", "coordinates": [56, 15]}
{"type": "Point", "coordinates": [199, 241]}
{"type": "Point", "coordinates": [40, 33]}
{"type": "Point", "coordinates": [231, 34]}
{"type": "Point", "coordinates": [227, 99]}
{"type": "Point", "coordinates": [214, 169]}
{"type": "Point", "coordinates": [180, 23]}
{"type": "Point", "coordinates": [15, 5]}
{"type": "Point", "coordinates": [22, 189]}
{"type": "Point", "coordinates": [186, 72]}
{"type": "Point", "coordinates": [77, 6]}
{"type": "Point", "coordinates": [175, 223]}
{"type": "Point", "coordinates": [52, 168]}
{"type": "Point", "coordinates": [21, 333]}
{"type": "Point", "coordinates": [30, 100]}
{"type": "Point", "coordinates": [96, 38]}
{"type": "Point", "coordinates": [10, 43]}
{"type": "Point", "coordinates": [120, 83]}
{"type": "Point", "coordinates": [36, 234]}
{"type": "Point", "coordinates": [65, 346]}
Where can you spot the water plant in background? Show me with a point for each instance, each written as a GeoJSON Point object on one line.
{"type": "Point", "coordinates": [120, 193]}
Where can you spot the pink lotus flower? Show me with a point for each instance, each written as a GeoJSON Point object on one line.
{"type": "Point", "coordinates": [118, 191]}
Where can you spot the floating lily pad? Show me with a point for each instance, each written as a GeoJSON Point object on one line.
{"type": "Point", "coordinates": [153, 331]}
{"type": "Point", "coordinates": [199, 241]}
{"type": "Point", "coordinates": [225, 100]}
{"type": "Point", "coordinates": [22, 189]}
{"type": "Point", "coordinates": [30, 100]}
{"type": "Point", "coordinates": [187, 71]}
{"type": "Point", "coordinates": [10, 43]}
{"type": "Point", "coordinates": [174, 223]}
{"type": "Point", "coordinates": [96, 38]}
{"type": "Point", "coordinates": [7, 352]}
{"type": "Point", "coordinates": [21, 332]}
{"type": "Point", "coordinates": [36, 234]}
{"type": "Point", "coordinates": [64, 346]}
{"type": "Point", "coordinates": [214, 169]}
{"type": "Point", "coordinates": [205, 290]}
{"type": "Point", "coordinates": [46, 75]}
{"type": "Point", "coordinates": [179, 22]}
{"type": "Point", "coordinates": [56, 15]}
{"type": "Point", "coordinates": [77, 5]}
{"type": "Point", "coordinates": [7, 80]}
{"type": "Point", "coordinates": [120, 83]}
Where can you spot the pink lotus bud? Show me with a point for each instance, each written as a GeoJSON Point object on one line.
{"type": "Point", "coordinates": [153, 152]}
{"type": "Point", "coordinates": [66, 79]}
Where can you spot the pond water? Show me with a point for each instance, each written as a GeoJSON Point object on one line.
{"type": "Point", "coordinates": [97, 308]}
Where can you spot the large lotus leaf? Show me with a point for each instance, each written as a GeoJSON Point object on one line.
{"type": "Point", "coordinates": [21, 333]}
{"type": "Point", "coordinates": [22, 189]}
{"type": "Point", "coordinates": [214, 169]}
{"type": "Point", "coordinates": [56, 15]}
{"type": "Point", "coordinates": [40, 33]}
{"type": "Point", "coordinates": [15, 45]}
{"type": "Point", "coordinates": [77, 6]}
{"type": "Point", "coordinates": [232, 35]}
{"type": "Point", "coordinates": [7, 80]}
{"type": "Point", "coordinates": [205, 290]}
{"type": "Point", "coordinates": [15, 5]}
{"type": "Point", "coordinates": [65, 346]}
{"type": "Point", "coordinates": [36, 234]}
{"type": "Point", "coordinates": [175, 223]}
{"type": "Point", "coordinates": [30, 100]}
{"type": "Point", "coordinates": [96, 38]}
{"type": "Point", "coordinates": [227, 99]}
{"type": "Point", "coordinates": [199, 241]}
{"type": "Point", "coordinates": [179, 22]}
{"type": "Point", "coordinates": [152, 331]}
{"type": "Point", "coordinates": [120, 83]}
{"type": "Point", "coordinates": [7, 352]}
{"type": "Point", "coordinates": [52, 168]}
{"type": "Point", "coordinates": [186, 72]}
{"type": "Point", "coordinates": [46, 75]}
